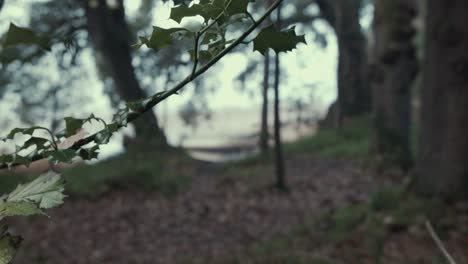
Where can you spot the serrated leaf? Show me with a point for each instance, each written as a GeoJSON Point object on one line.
{"type": "Point", "coordinates": [161, 38]}
{"type": "Point", "coordinates": [279, 41]}
{"type": "Point", "coordinates": [103, 136]}
{"type": "Point", "coordinates": [8, 246]}
{"type": "Point", "coordinates": [46, 191]}
{"type": "Point", "coordinates": [89, 153]}
{"type": "Point", "coordinates": [20, 35]}
{"type": "Point", "coordinates": [181, 11]}
{"type": "Point", "coordinates": [35, 141]}
{"type": "Point", "coordinates": [61, 156]}
{"type": "Point", "coordinates": [26, 131]}
{"type": "Point", "coordinates": [23, 208]}
{"type": "Point", "coordinates": [72, 126]}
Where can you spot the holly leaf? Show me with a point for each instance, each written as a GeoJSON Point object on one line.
{"type": "Point", "coordinates": [35, 141]}
{"type": "Point", "coordinates": [279, 41]}
{"type": "Point", "coordinates": [104, 135]}
{"type": "Point", "coordinates": [61, 156]}
{"type": "Point", "coordinates": [46, 191]}
{"type": "Point", "coordinates": [161, 38]}
{"type": "Point", "coordinates": [23, 208]}
{"type": "Point", "coordinates": [25, 131]}
{"type": "Point", "coordinates": [181, 11]}
{"type": "Point", "coordinates": [89, 153]}
{"type": "Point", "coordinates": [72, 126]}
{"type": "Point", "coordinates": [21, 35]}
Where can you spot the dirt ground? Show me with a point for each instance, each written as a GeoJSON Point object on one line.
{"type": "Point", "coordinates": [217, 218]}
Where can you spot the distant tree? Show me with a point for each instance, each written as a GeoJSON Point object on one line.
{"type": "Point", "coordinates": [442, 167]}
{"type": "Point", "coordinates": [354, 95]}
{"type": "Point", "coordinates": [264, 133]}
{"type": "Point", "coordinates": [111, 38]}
{"type": "Point", "coordinates": [393, 68]}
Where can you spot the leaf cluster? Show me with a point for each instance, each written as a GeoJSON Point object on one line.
{"type": "Point", "coordinates": [45, 192]}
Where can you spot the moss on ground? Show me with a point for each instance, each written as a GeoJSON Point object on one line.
{"type": "Point", "coordinates": [351, 141]}
{"type": "Point", "coordinates": [168, 173]}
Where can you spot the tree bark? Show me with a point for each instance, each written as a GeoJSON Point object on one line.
{"type": "Point", "coordinates": [111, 38]}
{"type": "Point", "coordinates": [442, 167]}
{"type": "Point", "coordinates": [393, 68]}
{"type": "Point", "coordinates": [354, 95]}
{"type": "Point", "coordinates": [264, 135]}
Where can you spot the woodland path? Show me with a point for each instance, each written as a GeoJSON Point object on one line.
{"type": "Point", "coordinates": [214, 216]}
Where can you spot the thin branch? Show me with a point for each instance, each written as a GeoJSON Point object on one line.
{"type": "Point", "coordinates": [157, 98]}
{"type": "Point", "coordinates": [252, 19]}
{"type": "Point", "coordinates": [195, 58]}
{"type": "Point", "coordinates": [439, 243]}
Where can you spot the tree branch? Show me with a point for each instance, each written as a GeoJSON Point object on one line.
{"type": "Point", "coordinates": [439, 243]}
{"type": "Point", "coordinates": [159, 97]}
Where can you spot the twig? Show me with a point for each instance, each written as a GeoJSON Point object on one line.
{"type": "Point", "coordinates": [156, 99]}
{"type": "Point", "coordinates": [439, 243]}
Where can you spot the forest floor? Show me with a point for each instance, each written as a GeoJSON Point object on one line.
{"type": "Point", "coordinates": [336, 211]}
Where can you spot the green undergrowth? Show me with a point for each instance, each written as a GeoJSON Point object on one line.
{"type": "Point", "coordinates": [389, 211]}
{"type": "Point", "coordinates": [350, 141]}
{"type": "Point", "coordinates": [167, 173]}
{"type": "Point", "coordinates": [250, 168]}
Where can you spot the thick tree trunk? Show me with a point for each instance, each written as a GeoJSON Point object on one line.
{"type": "Point", "coordinates": [354, 95]}
{"type": "Point", "coordinates": [443, 158]}
{"type": "Point", "coordinates": [393, 68]}
{"type": "Point", "coordinates": [110, 36]}
{"type": "Point", "coordinates": [264, 135]}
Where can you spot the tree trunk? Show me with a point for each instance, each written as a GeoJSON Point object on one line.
{"type": "Point", "coordinates": [443, 155]}
{"type": "Point", "coordinates": [393, 68]}
{"type": "Point", "coordinates": [110, 36]}
{"type": "Point", "coordinates": [279, 159]}
{"type": "Point", "coordinates": [264, 135]}
{"type": "Point", "coordinates": [354, 95]}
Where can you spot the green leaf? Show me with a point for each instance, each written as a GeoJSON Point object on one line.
{"type": "Point", "coordinates": [237, 7]}
{"type": "Point", "coordinates": [26, 131]}
{"type": "Point", "coordinates": [89, 153]}
{"type": "Point", "coordinates": [72, 126]}
{"type": "Point", "coordinates": [23, 208]}
{"type": "Point", "coordinates": [8, 246]}
{"type": "Point", "coordinates": [61, 156]}
{"type": "Point", "coordinates": [20, 35]}
{"type": "Point", "coordinates": [161, 38]}
{"type": "Point", "coordinates": [46, 191]}
{"type": "Point", "coordinates": [279, 41]}
{"type": "Point", "coordinates": [181, 11]}
{"type": "Point", "coordinates": [35, 141]}
{"type": "Point", "coordinates": [104, 135]}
